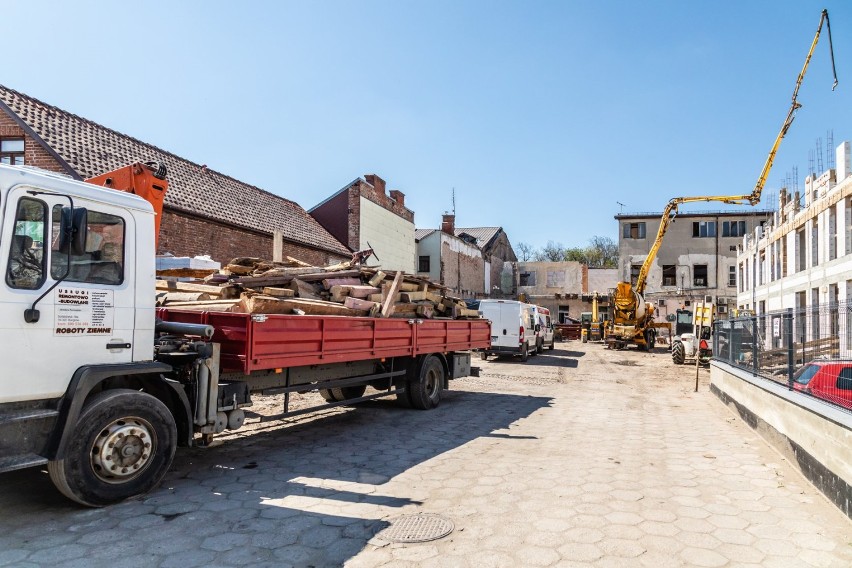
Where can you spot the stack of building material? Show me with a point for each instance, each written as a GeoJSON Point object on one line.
{"type": "Point", "coordinates": [256, 286]}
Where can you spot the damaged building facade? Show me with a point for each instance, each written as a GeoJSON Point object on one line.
{"type": "Point", "coordinates": [565, 288]}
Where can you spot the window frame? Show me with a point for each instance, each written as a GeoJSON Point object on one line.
{"type": "Point", "coordinates": [428, 260]}
{"type": "Point", "coordinates": [13, 155]}
{"type": "Point", "coordinates": [695, 283]}
{"type": "Point", "coordinates": [122, 264]}
{"type": "Point", "coordinates": [43, 276]}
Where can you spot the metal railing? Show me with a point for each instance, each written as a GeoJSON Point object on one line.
{"type": "Point", "coordinates": [808, 349]}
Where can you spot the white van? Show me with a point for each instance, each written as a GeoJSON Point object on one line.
{"type": "Point", "coordinates": [544, 329]}
{"type": "Point", "coordinates": [512, 328]}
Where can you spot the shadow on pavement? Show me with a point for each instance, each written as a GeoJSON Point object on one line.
{"type": "Point", "coordinates": [309, 493]}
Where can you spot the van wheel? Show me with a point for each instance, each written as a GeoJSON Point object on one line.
{"type": "Point", "coordinates": [552, 344]}
{"type": "Point", "coordinates": [123, 445]}
{"type": "Point", "coordinates": [425, 392]}
{"type": "Point", "coordinates": [524, 353]}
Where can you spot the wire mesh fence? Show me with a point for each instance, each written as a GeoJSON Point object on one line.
{"type": "Point", "coordinates": [809, 349]}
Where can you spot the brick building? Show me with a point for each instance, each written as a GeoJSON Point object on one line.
{"type": "Point", "coordinates": [501, 270]}
{"type": "Point", "coordinates": [362, 215]}
{"type": "Point", "coordinates": [205, 212]}
{"type": "Point", "coordinates": [455, 262]}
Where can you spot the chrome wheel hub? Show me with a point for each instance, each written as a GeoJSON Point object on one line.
{"type": "Point", "coordinates": [123, 450]}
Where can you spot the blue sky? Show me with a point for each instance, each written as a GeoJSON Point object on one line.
{"type": "Point", "coordinates": [541, 115]}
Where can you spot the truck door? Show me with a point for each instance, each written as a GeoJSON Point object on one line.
{"type": "Point", "coordinates": [85, 319]}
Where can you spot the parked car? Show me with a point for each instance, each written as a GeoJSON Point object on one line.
{"type": "Point", "coordinates": [513, 328]}
{"type": "Point", "coordinates": [829, 379]}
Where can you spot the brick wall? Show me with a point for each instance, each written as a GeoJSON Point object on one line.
{"type": "Point", "coordinates": [463, 273]}
{"type": "Point", "coordinates": [34, 153]}
{"type": "Point", "coordinates": [184, 235]}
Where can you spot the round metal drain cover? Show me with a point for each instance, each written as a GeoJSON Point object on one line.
{"type": "Point", "coordinates": [416, 528]}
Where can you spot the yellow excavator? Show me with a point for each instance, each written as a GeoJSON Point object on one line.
{"type": "Point", "coordinates": [632, 320]}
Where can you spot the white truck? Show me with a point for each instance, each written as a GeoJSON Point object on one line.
{"type": "Point", "coordinates": [101, 388]}
{"type": "Point", "coordinates": [513, 328]}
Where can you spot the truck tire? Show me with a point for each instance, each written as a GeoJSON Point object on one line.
{"type": "Point", "coordinates": [425, 391]}
{"type": "Point", "coordinates": [539, 346]}
{"type": "Point", "coordinates": [483, 355]}
{"type": "Point", "coordinates": [123, 445]}
{"type": "Point", "coordinates": [524, 353]}
{"type": "Point", "coordinates": [327, 395]}
{"type": "Point", "coordinates": [650, 339]}
{"type": "Point", "coordinates": [552, 344]}
{"type": "Point", "coordinates": [678, 353]}
{"type": "Point", "coordinates": [344, 393]}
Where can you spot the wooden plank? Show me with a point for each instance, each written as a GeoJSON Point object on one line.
{"type": "Point", "coordinates": [304, 289]}
{"type": "Point", "coordinates": [362, 291]}
{"type": "Point", "coordinates": [270, 305]}
{"type": "Point", "coordinates": [208, 306]}
{"type": "Point", "coordinates": [408, 286]}
{"type": "Point", "coordinates": [414, 296]}
{"type": "Point", "coordinates": [278, 292]}
{"type": "Point", "coordinates": [466, 313]}
{"type": "Point", "coordinates": [187, 272]}
{"type": "Point", "coordinates": [339, 293]}
{"type": "Point", "coordinates": [426, 311]}
{"type": "Point", "coordinates": [377, 278]}
{"type": "Point", "coordinates": [171, 297]}
{"type": "Point", "coordinates": [329, 282]}
{"type": "Point", "coordinates": [316, 277]}
{"type": "Point", "coordinates": [170, 286]}
{"type": "Point", "coordinates": [359, 304]}
{"type": "Point", "coordinates": [387, 307]}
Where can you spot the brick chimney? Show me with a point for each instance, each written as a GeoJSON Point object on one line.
{"type": "Point", "coordinates": [448, 224]}
{"type": "Point", "coordinates": [398, 196]}
{"type": "Point", "coordinates": [376, 182]}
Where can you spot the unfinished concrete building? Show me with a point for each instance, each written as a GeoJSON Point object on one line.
{"type": "Point", "coordinates": [566, 287]}
{"type": "Point", "coordinates": [698, 256]}
{"type": "Point", "coordinates": [803, 257]}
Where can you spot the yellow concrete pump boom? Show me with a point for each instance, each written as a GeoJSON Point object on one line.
{"type": "Point", "coordinates": [754, 197]}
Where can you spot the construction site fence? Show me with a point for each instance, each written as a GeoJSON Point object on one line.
{"type": "Point", "coordinates": [778, 345]}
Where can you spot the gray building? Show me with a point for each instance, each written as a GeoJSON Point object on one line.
{"type": "Point", "coordinates": [698, 256]}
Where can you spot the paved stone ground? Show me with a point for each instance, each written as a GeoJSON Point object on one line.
{"type": "Point", "coordinates": [576, 458]}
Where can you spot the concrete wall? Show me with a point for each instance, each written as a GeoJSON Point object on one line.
{"type": "Point", "coordinates": [601, 280]}
{"type": "Point", "coordinates": [391, 236]}
{"type": "Point", "coordinates": [454, 263]}
{"type": "Point", "coordinates": [553, 278]}
{"type": "Point", "coordinates": [430, 246]}
{"type": "Point", "coordinates": [812, 435]}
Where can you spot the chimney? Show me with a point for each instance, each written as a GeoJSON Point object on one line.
{"type": "Point", "coordinates": [376, 182]}
{"type": "Point", "coordinates": [448, 224]}
{"type": "Point", "coordinates": [398, 196]}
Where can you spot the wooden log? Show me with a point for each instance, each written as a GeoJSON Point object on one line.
{"type": "Point", "coordinates": [377, 278]}
{"type": "Point", "coordinates": [467, 313]}
{"type": "Point", "coordinates": [413, 296]}
{"type": "Point", "coordinates": [278, 292]}
{"type": "Point", "coordinates": [207, 306]}
{"type": "Point", "coordinates": [362, 291]}
{"type": "Point", "coordinates": [304, 289]}
{"type": "Point", "coordinates": [329, 282]}
{"type": "Point", "coordinates": [409, 286]}
{"type": "Point", "coordinates": [376, 298]}
{"type": "Point", "coordinates": [387, 307]}
{"type": "Point", "coordinates": [238, 269]}
{"type": "Point", "coordinates": [170, 286]}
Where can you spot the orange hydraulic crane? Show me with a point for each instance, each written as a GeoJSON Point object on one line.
{"type": "Point", "coordinates": [632, 318]}
{"type": "Point", "coordinates": [147, 180]}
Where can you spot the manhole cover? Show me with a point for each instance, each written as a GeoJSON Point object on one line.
{"type": "Point", "coordinates": [416, 528]}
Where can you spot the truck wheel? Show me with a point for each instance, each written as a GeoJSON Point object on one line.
{"type": "Point", "coordinates": [425, 392]}
{"type": "Point", "coordinates": [344, 393]}
{"type": "Point", "coordinates": [327, 395]}
{"type": "Point", "coordinates": [483, 355]}
{"type": "Point", "coordinates": [524, 353]}
{"type": "Point", "coordinates": [123, 445]}
{"type": "Point", "coordinates": [552, 344]}
{"type": "Point", "coordinates": [539, 346]}
{"type": "Point", "coordinates": [678, 353]}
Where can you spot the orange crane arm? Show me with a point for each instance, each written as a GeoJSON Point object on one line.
{"type": "Point", "coordinates": [147, 180]}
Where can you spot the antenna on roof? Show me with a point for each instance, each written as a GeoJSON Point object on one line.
{"type": "Point", "coordinates": [621, 205]}
{"type": "Point", "coordinates": [454, 202]}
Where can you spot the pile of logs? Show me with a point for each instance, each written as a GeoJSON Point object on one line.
{"type": "Point", "coordinates": [255, 286]}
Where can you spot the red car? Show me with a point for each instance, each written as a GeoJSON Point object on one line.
{"type": "Point", "coordinates": [829, 380]}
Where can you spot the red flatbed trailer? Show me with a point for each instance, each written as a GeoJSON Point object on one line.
{"type": "Point", "coordinates": [259, 342]}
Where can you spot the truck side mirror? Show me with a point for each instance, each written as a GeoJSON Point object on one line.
{"type": "Point", "coordinates": [73, 230]}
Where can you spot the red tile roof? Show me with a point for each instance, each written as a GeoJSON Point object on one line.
{"type": "Point", "coordinates": [89, 149]}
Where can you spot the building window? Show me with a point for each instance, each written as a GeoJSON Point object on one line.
{"type": "Point", "coordinates": [733, 228]}
{"type": "Point", "coordinates": [527, 279]}
{"type": "Point", "coordinates": [633, 231]}
{"type": "Point", "coordinates": [12, 151]}
{"type": "Point", "coordinates": [669, 275]}
{"type": "Point", "coordinates": [424, 264]}
{"type": "Point", "coordinates": [634, 273]}
{"type": "Point", "coordinates": [699, 272]}
{"type": "Point", "coordinates": [704, 228]}
{"type": "Point", "coordinates": [732, 276]}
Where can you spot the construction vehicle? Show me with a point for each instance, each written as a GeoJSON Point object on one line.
{"type": "Point", "coordinates": [694, 343]}
{"type": "Point", "coordinates": [101, 387]}
{"type": "Point", "coordinates": [592, 324]}
{"type": "Point", "coordinates": [633, 318]}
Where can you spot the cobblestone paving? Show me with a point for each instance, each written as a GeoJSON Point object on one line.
{"type": "Point", "coordinates": [576, 458]}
